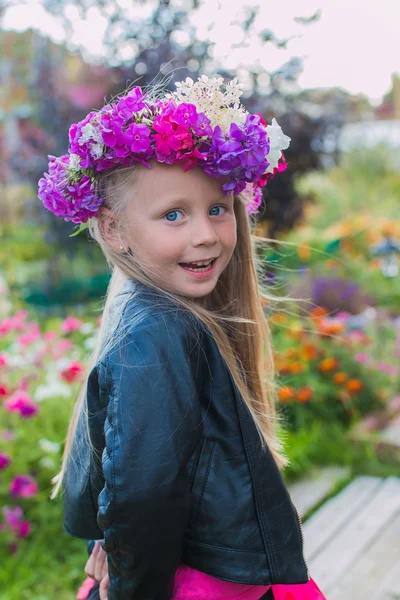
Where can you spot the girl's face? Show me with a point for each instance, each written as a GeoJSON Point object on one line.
{"type": "Point", "coordinates": [176, 218]}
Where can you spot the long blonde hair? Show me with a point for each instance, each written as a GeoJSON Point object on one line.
{"type": "Point", "coordinates": [232, 313]}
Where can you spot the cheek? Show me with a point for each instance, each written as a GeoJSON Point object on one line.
{"type": "Point", "coordinates": [228, 235]}
{"type": "Point", "coordinates": [165, 246]}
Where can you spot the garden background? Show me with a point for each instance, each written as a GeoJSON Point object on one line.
{"type": "Point", "coordinates": [333, 221]}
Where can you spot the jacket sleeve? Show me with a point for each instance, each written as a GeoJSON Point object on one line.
{"type": "Point", "coordinates": [152, 428]}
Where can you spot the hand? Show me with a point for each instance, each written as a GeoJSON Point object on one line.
{"type": "Point", "coordinates": [103, 590]}
{"type": "Point", "coordinates": [96, 566]}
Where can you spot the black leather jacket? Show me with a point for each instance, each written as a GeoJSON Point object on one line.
{"type": "Point", "coordinates": [180, 475]}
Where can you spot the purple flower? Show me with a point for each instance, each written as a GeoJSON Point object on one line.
{"type": "Point", "coordinates": [4, 461]}
{"type": "Point", "coordinates": [132, 103]}
{"type": "Point", "coordinates": [137, 136]}
{"type": "Point", "coordinates": [13, 517]}
{"type": "Point", "coordinates": [111, 128]}
{"type": "Point", "coordinates": [186, 115]}
{"type": "Point", "coordinates": [22, 403]}
{"type": "Point", "coordinates": [202, 127]}
{"type": "Point", "coordinates": [73, 201]}
{"type": "Point", "coordinates": [23, 486]}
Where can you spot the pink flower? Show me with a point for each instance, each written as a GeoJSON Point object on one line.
{"type": "Point", "coordinates": [24, 486]}
{"type": "Point", "coordinates": [8, 435]}
{"type": "Point", "coordinates": [14, 519]}
{"type": "Point", "coordinates": [70, 324]}
{"type": "Point", "coordinates": [361, 357]}
{"type": "Point", "coordinates": [387, 368]}
{"type": "Point", "coordinates": [4, 461]}
{"type": "Point", "coordinates": [73, 372]}
{"type": "Point", "coordinates": [49, 336]}
{"type": "Point", "coordinates": [190, 159]}
{"type": "Point", "coordinates": [32, 335]}
{"type": "Point", "coordinates": [21, 402]}
{"type": "Point", "coordinates": [3, 390]}
{"type": "Point", "coordinates": [3, 359]}
{"type": "Point", "coordinates": [24, 529]}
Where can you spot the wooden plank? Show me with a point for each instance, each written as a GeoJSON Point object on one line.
{"type": "Point", "coordinates": [309, 492]}
{"type": "Point", "coordinates": [390, 587]}
{"type": "Point", "coordinates": [371, 570]}
{"type": "Point", "coordinates": [321, 527]}
{"type": "Point", "coordinates": [341, 552]}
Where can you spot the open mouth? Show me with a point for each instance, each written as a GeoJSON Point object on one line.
{"type": "Point", "coordinates": [199, 267]}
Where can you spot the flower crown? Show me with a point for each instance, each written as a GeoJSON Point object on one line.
{"type": "Point", "coordinates": [200, 124]}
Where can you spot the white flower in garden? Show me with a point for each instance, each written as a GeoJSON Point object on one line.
{"type": "Point", "coordinates": [47, 462]}
{"type": "Point", "coordinates": [278, 142]}
{"type": "Point", "coordinates": [86, 328]}
{"type": "Point", "coordinates": [52, 389]}
{"type": "Point", "coordinates": [49, 446]}
{"type": "Point", "coordinates": [221, 106]}
{"type": "Point", "coordinates": [90, 343]}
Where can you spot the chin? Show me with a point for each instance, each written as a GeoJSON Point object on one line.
{"type": "Point", "coordinates": [199, 291]}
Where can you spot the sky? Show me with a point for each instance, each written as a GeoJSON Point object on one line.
{"type": "Point", "coordinates": [354, 45]}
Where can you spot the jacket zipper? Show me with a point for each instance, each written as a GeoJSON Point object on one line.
{"type": "Point", "coordinates": [302, 540]}
{"type": "Point", "coordinates": [295, 507]}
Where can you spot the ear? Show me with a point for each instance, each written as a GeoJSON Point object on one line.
{"type": "Point", "coordinates": [108, 228]}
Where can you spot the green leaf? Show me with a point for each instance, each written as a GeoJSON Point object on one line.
{"type": "Point", "coordinates": [82, 227]}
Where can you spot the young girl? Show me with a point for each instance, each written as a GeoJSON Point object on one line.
{"type": "Point", "coordinates": [172, 457]}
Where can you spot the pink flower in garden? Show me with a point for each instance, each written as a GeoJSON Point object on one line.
{"type": "Point", "coordinates": [8, 435]}
{"type": "Point", "coordinates": [343, 315]}
{"type": "Point", "coordinates": [6, 326]}
{"type": "Point", "coordinates": [14, 323]}
{"type": "Point", "coordinates": [387, 368]}
{"type": "Point", "coordinates": [61, 347]}
{"type": "Point", "coordinates": [361, 357]}
{"type": "Point", "coordinates": [14, 520]}
{"type": "Point", "coordinates": [70, 324]}
{"type": "Point", "coordinates": [24, 486]}
{"type": "Point", "coordinates": [4, 461]}
{"type": "Point", "coordinates": [49, 336]}
{"type": "Point", "coordinates": [73, 372]}
{"type": "Point", "coordinates": [31, 335]}
{"type": "Point", "coordinates": [4, 391]}
{"type": "Point", "coordinates": [3, 359]}
{"type": "Point", "coordinates": [21, 402]}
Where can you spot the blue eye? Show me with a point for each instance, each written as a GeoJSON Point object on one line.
{"type": "Point", "coordinates": [172, 212]}
{"type": "Point", "coordinates": [216, 208]}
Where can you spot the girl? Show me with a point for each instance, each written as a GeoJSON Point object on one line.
{"type": "Point", "coordinates": [172, 457]}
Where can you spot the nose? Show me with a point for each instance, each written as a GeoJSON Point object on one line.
{"type": "Point", "coordinates": [204, 233]}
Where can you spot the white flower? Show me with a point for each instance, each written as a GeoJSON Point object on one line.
{"type": "Point", "coordinates": [52, 389]}
{"type": "Point", "coordinates": [47, 462]}
{"type": "Point", "coordinates": [75, 162]}
{"type": "Point", "coordinates": [90, 133]}
{"type": "Point", "coordinates": [97, 150]}
{"type": "Point", "coordinates": [49, 446]}
{"type": "Point", "coordinates": [219, 102]}
{"type": "Point", "coordinates": [278, 142]}
{"type": "Point", "coordinates": [90, 343]}
{"type": "Point", "coordinates": [86, 328]}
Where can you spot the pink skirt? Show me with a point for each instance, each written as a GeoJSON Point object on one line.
{"type": "Point", "coordinates": [191, 584]}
